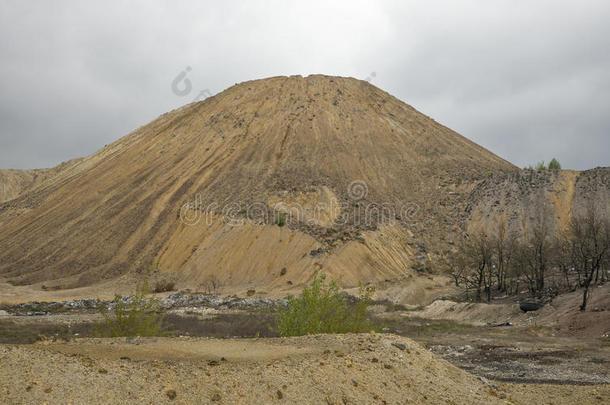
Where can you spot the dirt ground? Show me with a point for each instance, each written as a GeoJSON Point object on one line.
{"type": "Point", "coordinates": [512, 354]}
{"type": "Point", "coordinates": [455, 353]}
{"type": "Point", "coordinates": [337, 369]}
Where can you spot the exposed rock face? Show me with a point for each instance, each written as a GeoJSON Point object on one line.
{"type": "Point", "coordinates": [525, 197]}
{"type": "Point", "coordinates": [254, 179]}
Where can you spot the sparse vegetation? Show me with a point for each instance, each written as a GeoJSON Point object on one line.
{"type": "Point", "coordinates": [135, 315]}
{"type": "Point", "coordinates": [544, 259]}
{"type": "Point", "coordinates": [280, 219]}
{"type": "Point", "coordinates": [554, 164]}
{"type": "Point", "coordinates": [163, 286]}
{"type": "Point", "coordinates": [588, 249]}
{"type": "Point", "coordinates": [540, 166]}
{"type": "Point", "coordinates": [212, 285]}
{"type": "Point", "coordinates": [323, 308]}
{"type": "Point", "coordinates": [423, 267]}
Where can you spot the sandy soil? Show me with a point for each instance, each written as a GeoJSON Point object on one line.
{"type": "Point", "coordinates": [343, 369]}
{"type": "Point", "coordinates": [562, 313]}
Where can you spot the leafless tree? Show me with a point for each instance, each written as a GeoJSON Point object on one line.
{"type": "Point", "coordinates": [212, 285]}
{"type": "Point", "coordinates": [504, 247]}
{"type": "Point", "coordinates": [476, 253]}
{"type": "Point", "coordinates": [537, 250]}
{"type": "Point", "coordinates": [590, 247]}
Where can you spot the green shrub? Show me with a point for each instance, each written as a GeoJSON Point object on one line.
{"type": "Point", "coordinates": [135, 315]}
{"type": "Point", "coordinates": [423, 267]}
{"type": "Point", "coordinates": [322, 308]}
{"type": "Point", "coordinates": [554, 164]}
{"type": "Point", "coordinates": [281, 219]}
{"type": "Point", "coordinates": [540, 166]}
{"type": "Point", "coordinates": [163, 286]}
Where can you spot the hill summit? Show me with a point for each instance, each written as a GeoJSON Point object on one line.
{"type": "Point", "coordinates": [261, 184]}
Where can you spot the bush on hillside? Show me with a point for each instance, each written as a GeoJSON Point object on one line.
{"type": "Point", "coordinates": [281, 219]}
{"type": "Point", "coordinates": [322, 308]}
{"type": "Point", "coordinates": [164, 285]}
{"type": "Point", "coordinates": [554, 165]}
{"type": "Point", "coordinates": [540, 166]}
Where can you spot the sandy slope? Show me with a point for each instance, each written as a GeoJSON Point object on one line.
{"type": "Point", "coordinates": [357, 369]}
{"type": "Point", "coordinates": [279, 140]}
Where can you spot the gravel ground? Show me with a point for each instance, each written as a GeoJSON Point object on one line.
{"type": "Point", "coordinates": [332, 369]}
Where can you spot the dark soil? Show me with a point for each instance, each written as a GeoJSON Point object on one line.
{"type": "Point", "coordinates": [224, 325]}
{"type": "Point", "coordinates": [499, 353]}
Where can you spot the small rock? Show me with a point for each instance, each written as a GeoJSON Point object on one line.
{"type": "Point", "coordinates": [488, 383]}
{"type": "Point", "coordinates": [216, 397]}
{"type": "Point", "coordinates": [283, 271]}
{"type": "Point", "coordinates": [279, 394]}
{"type": "Point", "coordinates": [213, 363]}
{"type": "Point", "coordinates": [375, 360]}
{"type": "Point", "coordinates": [171, 394]}
{"type": "Point", "coordinates": [399, 346]}
{"type": "Point", "coordinates": [47, 390]}
{"type": "Point", "coordinates": [102, 371]}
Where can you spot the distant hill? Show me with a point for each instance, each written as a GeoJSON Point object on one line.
{"type": "Point", "coordinates": [202, 191]}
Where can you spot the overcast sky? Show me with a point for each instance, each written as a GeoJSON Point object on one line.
{"type": "Point", "coordinates": [529, 80]}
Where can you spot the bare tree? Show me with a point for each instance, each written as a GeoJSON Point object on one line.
{"type": "Point", "coordinates": [457, 268]}
{"type": "Point", "coordinates": [564, 258]}
{"type": "Point", "coordinates": [504, 246]}
{"type": "Point", "coordinates": [476, 251]}
{"type": "Point", "coordinates": [212, 285]}
{"type": "Point", "coordinates": [537, 247]}
{"type": "Point", "coordinates": [590, 247]}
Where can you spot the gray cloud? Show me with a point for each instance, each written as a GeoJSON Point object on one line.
{"type": "Point", "coordinates": [528, 80]}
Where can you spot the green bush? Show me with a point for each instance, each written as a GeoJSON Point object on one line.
{"type": "Point", "coordinates": [281, 219]}
{"type": "Point", "coordinates": [135, 315]}
{"type": "Point", "coordinates": [163, 286]}
{"type": "Point", "coordinates": [322, 308]}
{"type": "Point", "coordinates": [554, 165]}
{"type": "Point", "coordinates": [540, 166]}
{"type": "Point", "coordinates": [423, 267]}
